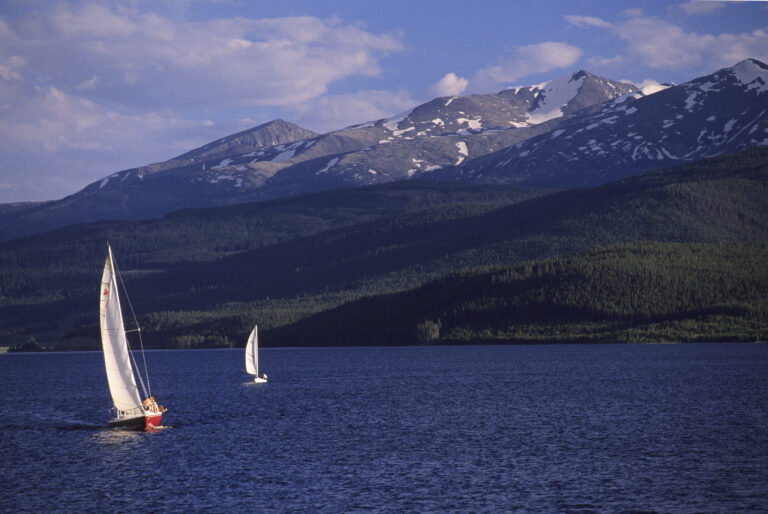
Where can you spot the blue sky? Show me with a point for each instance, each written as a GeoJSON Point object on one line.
{"type": "Point", "coordinates": [90, 88]}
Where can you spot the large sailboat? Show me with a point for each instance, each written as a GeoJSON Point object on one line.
{"type": "Point", "coordinates": [252, 356]}
{"type": "Point", "coordinates": [130, 411]}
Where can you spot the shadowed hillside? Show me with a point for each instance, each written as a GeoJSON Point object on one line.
{"type": "Point", "coordinates": [629, 293]}
{"type": "Point", "coordinates": [382, 240]}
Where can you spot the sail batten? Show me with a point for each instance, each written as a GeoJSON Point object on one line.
{"type": "Point", "coordinates": [117, 358]}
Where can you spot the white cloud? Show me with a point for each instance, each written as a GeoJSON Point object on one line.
{"type": "Point", "coordinates": [51, 141]}
{"type": "Point", "coordinates": [524, 61]}
{"type": "Point", "coordinates": [587, 21]}
{"type": "Point", "coordinates": [334, 111]}
{"type": "Point", "coordinates": [633, 12]}
{"type": "Point", "coordinates": [87, 90]}
{"type": "Point", "coordinates": [647, 83]}
{"type": "Point", "coordinates": [650, 86]}
{"type": "Point", "coordinates": [450, 85]}
{"type": "Point", "coordinates": [694, 7]}
{"type": "Point", "coordinates": [91, 83]}
{"type": "Point", "coordinates": [155, 62]}
{"type": "Point", "coordinates": [660, 44]}
{"type": "Point", "coordinates": [11, 68]}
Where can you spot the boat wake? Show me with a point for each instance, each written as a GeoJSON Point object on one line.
{"type": "Point", "coordinates": [78, 425]}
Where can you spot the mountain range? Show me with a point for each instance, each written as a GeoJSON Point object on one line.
{"type": "Point", "coordinates": [720, 113]}
{"type": "Point", "coordinates": [577, 131]}
{"type": "Point", "coordinates": [428, 226]}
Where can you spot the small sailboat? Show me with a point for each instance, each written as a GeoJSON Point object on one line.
{"type": "Point", "coordinates": [252, 356]}
{"type": "Point", "coordinates": [130, 411]}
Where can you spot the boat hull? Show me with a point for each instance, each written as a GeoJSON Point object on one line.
{"type": "Point", "coordinates": [260, 380]}
{"type": "Point", "coordinates": [148, 421]}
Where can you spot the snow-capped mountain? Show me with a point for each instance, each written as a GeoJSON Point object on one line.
{"type": "Point", "coordinates": [443, 132]}
{"type": "Point", "coordinates": [274, 134]}
{"type": "Point", "coordinates": [280, 159]}
{"type": "Point", "coordinates": [719, 113]}
{"type": "Point", "coordinates": [574, 131]}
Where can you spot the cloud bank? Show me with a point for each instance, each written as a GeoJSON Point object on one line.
{"type": "Point", "coordinates": [89, 88]}
{"type": "Point", "coordinates": [521, 62]}
{"type": "Point", "coordinates": [648, 41]}
{"type": "Point", "coordinates": [128, 83]}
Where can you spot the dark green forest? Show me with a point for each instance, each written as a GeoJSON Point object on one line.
{"type": "Point", "coordinates": [203, 277]}
{"type": "Point", "coordinates": [643, 292]}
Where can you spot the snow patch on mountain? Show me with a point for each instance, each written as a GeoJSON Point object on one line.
{"type": "Point", "coordinates": [752, 74]}
{"type": "Point", "coordinates": [393, 122]}
{"type": "Point", "coordinates": [398, 133]}
{"type": "Point", "coordinates": [106, 179]}
{"type": "Point", "coordinates": [463, 152]}
{"type": "Point", "coordinates": [284, 156]}
{"type": "Point", "coordinates": [553, 97]}
{"type": "Point", "coordinates": [473, 124]}
{"type": "Point", "coordinates": [690, 102]}
{"type": "Point", "coordinates": [222, 164]}
{"type": "Point", "coordinates": [328, 166]}
{"type": "Point", "coordinates": [215, 179]}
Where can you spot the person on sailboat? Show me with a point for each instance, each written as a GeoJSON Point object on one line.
{"type": "Point", "coordinates": [151, 405]}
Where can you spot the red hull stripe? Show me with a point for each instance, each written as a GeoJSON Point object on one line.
{"type": "Point", "coordinates": [153, 421]}
{"type": "Point", "coordinates": [146, 422]}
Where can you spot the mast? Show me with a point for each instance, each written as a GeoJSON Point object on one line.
{"type": "Point", "coordinates": [117, 358]}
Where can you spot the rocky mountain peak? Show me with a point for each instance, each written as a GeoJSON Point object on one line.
{"type": "Point", "coordinates": [272, 133]}
{"type": "Point", "coordinates": [751, 73]}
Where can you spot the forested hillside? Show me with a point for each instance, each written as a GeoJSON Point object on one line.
{"type": "Point", "coordinates": [48, 282]}
{"type": "Point", "coordinates": [644, 292]}
{"type": "Point", "coordinates": [205, 277]}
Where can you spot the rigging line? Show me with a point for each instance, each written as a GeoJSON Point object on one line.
{"type": "Point", "coordinates": [148, 389]}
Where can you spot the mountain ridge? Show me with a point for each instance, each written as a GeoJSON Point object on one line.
{"type": "Point", "coordinates": [719, 113]}
{"type": "Point", "coordinates": [576, 131]}
{"type": "Point", "coordinates": [416, 142]}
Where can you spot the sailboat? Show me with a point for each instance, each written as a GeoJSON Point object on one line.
{"type": "Point", "coordinates": [130, 411]}
{"type": "Point", "coordinates": [252, 356]}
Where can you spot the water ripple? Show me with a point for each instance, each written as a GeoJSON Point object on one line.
{"type": "Point", "coordinates": [492, 429]}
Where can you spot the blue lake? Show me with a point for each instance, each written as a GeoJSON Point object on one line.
{"type": "Point", "coordinates": [508, 428]}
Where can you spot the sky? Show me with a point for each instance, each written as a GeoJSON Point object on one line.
{"type": "Point", "coordinates": [91, 88]}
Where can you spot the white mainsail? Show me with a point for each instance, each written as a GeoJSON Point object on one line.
{"type": "Point", "coordinates": [122, 383]}
{"type": "Point", "coordinates": [252, 352]}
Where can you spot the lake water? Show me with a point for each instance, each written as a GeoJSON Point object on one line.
{"type": "Point", "coordinates": [510, 428]}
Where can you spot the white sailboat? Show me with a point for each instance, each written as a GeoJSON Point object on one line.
{"type": "Point", "coordinates": [131, 412]}
{"type": "Point", "coordinates": [252, 356]}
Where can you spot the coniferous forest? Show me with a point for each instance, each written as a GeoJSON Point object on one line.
{"type": "Point", "coordinates": [674, 255]}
